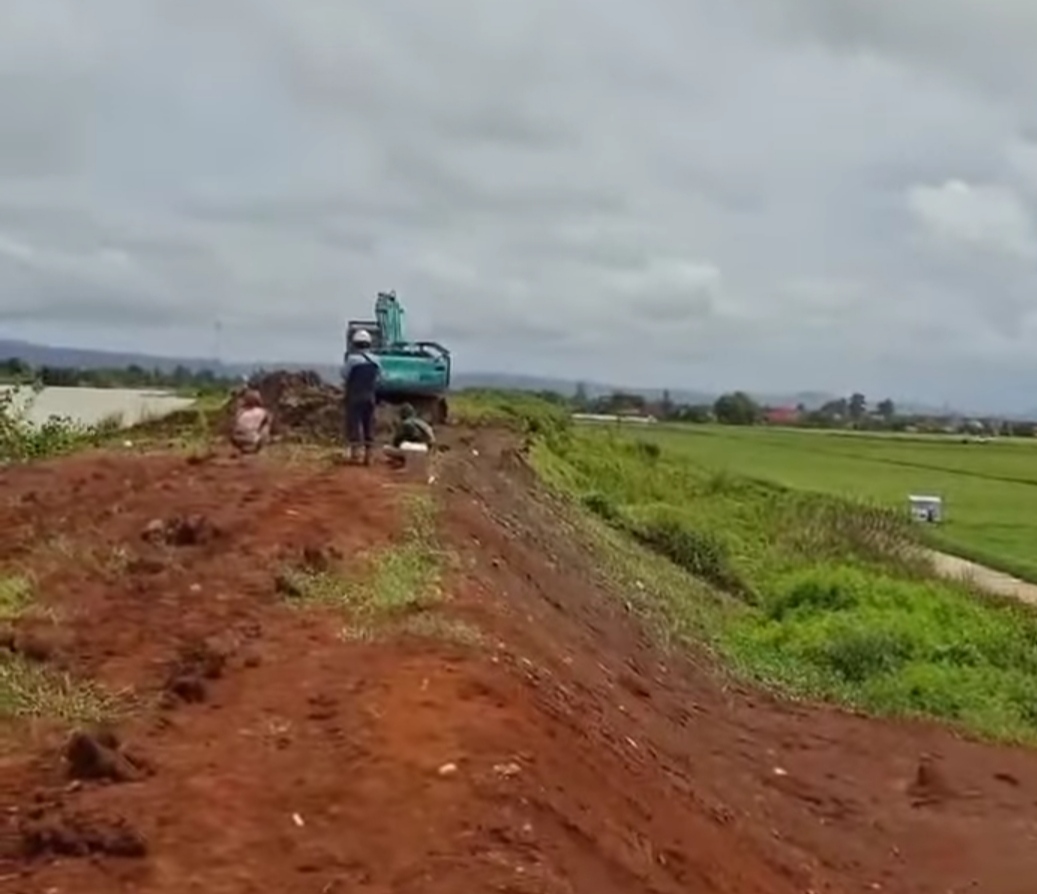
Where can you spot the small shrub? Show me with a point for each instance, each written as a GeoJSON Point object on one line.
{"type": "Point", "coordinates": [602, 505]}
{"type": "Point", "coordinates": [22, 441]}
{"type": "Point", "coordinates": [721, 483]}
{"type": "Point", "coordinates": [528, 413]}
{"type": "Point", "coordinates": [702, 554]}
{"type": "Point", "coordinates": [813, 591]}
{"type": "Point", "coordinates": [828, 527]}
{"type": "Point", "coordinates": [856, 653]}
{"type": "Point", "coordinates": [647, 450]}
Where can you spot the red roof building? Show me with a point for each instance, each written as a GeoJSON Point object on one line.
{"type": "Point", "coordinates": [781, 416]}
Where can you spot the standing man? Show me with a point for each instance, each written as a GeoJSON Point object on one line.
{"type": "Point", "coordinates": [360, 375]}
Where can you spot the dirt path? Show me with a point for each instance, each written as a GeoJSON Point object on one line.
{"type": "Point", "coordinates": [559, 753]}
{"type": "Point", "coordinates": [997, 583]}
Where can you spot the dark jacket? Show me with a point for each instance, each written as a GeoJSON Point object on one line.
{"type": "Point", "coordinates": [360, 375]}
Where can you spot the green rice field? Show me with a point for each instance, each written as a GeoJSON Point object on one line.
{"type": "Point", "coordinates": [989, 488]}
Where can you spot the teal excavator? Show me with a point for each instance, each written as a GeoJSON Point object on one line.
{"type": "Point", "coordinates": [414, 372]}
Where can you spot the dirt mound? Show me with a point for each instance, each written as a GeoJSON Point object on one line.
{"type": "Point", "coordinates": [54, 831]}
{"type": "Point", "coordinates": [304, 406]}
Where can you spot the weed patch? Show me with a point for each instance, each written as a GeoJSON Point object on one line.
{"type": "Point", "coordinates": [23, 441]}
{"type": "Point", "coordinates": [28, 689]}
{"type": "Point", "coordinates": [16, 597]}
{"type": "Point", "coordinates": [896, 645]}
{"type": "Point", "coordinates": [528, 413]}
{"type": "Point", "coordinates": [700, 553]}
{"type": "Point", "coordinates": [439, 627]}
{"type": "Point", "coordinates": [396, 581]}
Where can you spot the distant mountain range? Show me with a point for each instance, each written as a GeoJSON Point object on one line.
{"type": "Point", "coordinates": [87, 358]}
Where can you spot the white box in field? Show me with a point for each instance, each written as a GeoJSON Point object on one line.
{"type": "Point", "coordinates": [926, 508]}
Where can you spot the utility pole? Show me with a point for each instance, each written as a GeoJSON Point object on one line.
{"type": "Point", "coordinates": [217, 344]}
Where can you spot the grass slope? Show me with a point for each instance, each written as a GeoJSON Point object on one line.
{"type": "Point", "coordinates": [815, 594]}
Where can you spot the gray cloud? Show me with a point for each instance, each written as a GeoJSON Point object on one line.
{"type": "Point", "coordinates": [779, 194]}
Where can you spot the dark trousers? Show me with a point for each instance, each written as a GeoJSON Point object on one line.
{"type": "Point", "coordinates": [360, 423]}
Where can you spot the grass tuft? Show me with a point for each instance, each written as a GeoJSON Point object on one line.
{"type": "Point", "coordinates": [17, 595]}
{"type": "Point", "coordinates": [30, 689]}
{"type": "Point", "coordinates": [528, 413]}
{"type": "Point", "coordinates": [395, 581]}
{"type": "Point", "coordinates": [33, 690]}
{"type": "Point", "coordinates": [440, 627]}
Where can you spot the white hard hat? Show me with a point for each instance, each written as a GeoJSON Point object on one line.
{"type": "Point", "coordinates": [361, 337]}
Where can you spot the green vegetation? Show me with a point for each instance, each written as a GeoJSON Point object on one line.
{"type": "Point", "coordinates": [393, 586]}
{"type": "Point", "coordinates": [989, 488]}
{"type": "Point", "coordinates": [28, 689]}
{"type": "Point", "coordinates": [187, 381]}
{"type": "Point", "coordinates": [437, 626]}
{"type": "Point", "coordinates": [16, 597]}
{"type": "Point", "coordinates": [530, 413]}
{"type": "Point", "coordinates": [33, 690]}
{"type": "Point", "coordinates": [816, 593]}
{"type": "Point", "coordinates": [21, 441]}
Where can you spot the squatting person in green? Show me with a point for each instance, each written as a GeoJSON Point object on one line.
{"type": "Point", "coordinates": [410, 429]}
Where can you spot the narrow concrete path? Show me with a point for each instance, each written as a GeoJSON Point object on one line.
{"type": "Point", "coordinates": [994, 582]}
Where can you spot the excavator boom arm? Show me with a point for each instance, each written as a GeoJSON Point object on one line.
{"type": "Point", "coordinates": [390, 314]}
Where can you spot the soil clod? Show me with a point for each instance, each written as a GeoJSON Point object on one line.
{"type": "Point", "coordinates": [187, 530]}
{"type": "Point", "coordinates": [930, 785]}
{"type": "Point", "coordinates": [319, 558]}
{"type": "Point", "coordinates": [145, 566]}
{"type": "Point", "coordinates": [62, 833]}
{"type": "Point", "coordinates": [101, 757]}
{"type": "Point", "coordinates": [286, 585]}
{"type": "Point", "coordinates": [35, 644]}
{"type": "Point", "coordinates": [197, 663]}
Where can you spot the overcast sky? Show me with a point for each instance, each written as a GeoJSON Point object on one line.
{"type": "Point", "coordinates": [770, 194]}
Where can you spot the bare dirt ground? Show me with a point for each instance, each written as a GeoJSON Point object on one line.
{"type": "Point", "coordinates": [563, 753]}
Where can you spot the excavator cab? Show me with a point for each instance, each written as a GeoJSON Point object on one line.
{"type": "Point", "coordinates": [370, 326]}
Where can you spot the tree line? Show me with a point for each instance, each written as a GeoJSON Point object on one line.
{"type": "Point", "coordinates": [738, 408]}
{"type": "Point", "coordinates": [854, 411]}
{"type": "Point", "coordinates": [732, 408]}
{"type": "Point", "coordinates": [180, 378]}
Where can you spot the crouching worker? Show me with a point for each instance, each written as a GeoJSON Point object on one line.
{"type": "Point", "coordinates": [360, 376]}
{"type": "Point", "coordinates": [410, 429]}
{"type": "Point", "coordinates": [251, 424]}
